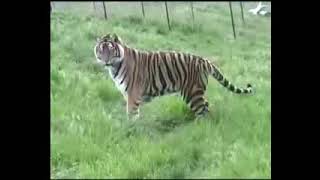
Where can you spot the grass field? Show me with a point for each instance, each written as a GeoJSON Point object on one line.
{"type": "Point", "coordinates": [90, 135]}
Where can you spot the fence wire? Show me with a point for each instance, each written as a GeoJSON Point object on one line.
{"type": "Point", "coordinates": [179, 11]}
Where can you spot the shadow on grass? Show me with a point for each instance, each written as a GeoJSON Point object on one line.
{"type": "Point", "coordinates": [154, 127]}
{"type": "Point", "coordinates": [162, 126]}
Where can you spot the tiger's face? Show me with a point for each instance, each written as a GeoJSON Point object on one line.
{"type": "Point", "coordinates": [106, 52]}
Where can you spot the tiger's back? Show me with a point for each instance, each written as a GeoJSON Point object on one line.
{"type": "Point", "coordinates": [169, 72]}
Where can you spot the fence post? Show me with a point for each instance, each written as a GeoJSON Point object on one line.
{"type": "Point", "coordinates": [168, 20]}
{"type": "Point", "coordinates": [234, 31]}
{"type": "Point", "coordinates": [105, 12]}
{"type": "Point", "coordinates": [242, 12]}
{"type": "Point", "coordinates": [142, 7]}
{"type": "Point", "coordinates": [94, 6]}
{"type": "Point", "coordinates": [191, 3]}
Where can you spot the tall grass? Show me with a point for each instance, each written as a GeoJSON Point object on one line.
{"type": "Point", "coordinates": [90, 136]}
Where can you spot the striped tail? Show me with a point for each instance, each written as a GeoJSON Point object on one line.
{"type": "Point", "coordinates": [216, 73]}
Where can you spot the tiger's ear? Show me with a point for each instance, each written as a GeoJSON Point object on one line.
{"type": "Point", "coordinates": [107, 36]}
{"type": "Point", "coordinates": [117, 39]}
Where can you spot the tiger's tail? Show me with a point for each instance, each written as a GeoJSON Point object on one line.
{"type": "Point", "coordinates": [216, 73]}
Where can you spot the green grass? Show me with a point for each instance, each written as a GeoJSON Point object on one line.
{"type": "Point", "coordinates": [91, 137]}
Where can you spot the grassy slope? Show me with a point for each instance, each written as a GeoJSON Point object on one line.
{"type": "Point", "coordinates": [90, 137]}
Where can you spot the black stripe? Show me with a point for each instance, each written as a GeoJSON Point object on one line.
{"type": "Point", "coordinates": [124, 74]}
{"type": "Point", "coordinates": [188, 88]}
{"type": "Point", "coordinates": [219, 77]}
{"type": "Point", "coordinates": [198, 107]}
{"type": "Point", "coordinates": [154, 80]}
{"type": "Point", "coordinates": [208, 66]}
{"type": "Point", "coordinates": [185, 96]}
{"type": "Point", "coordinates": [183, 69]}
{"type": "Point", "coordinates": [196, 101]}
{"type": "Point", "coordinates": [140, 59]}
{"type": "Point", "coordinates": [162, 80]}
{"type": "Point", "coordinates": [162, 92]}
{"type": "Point", "coordinates": [163, 55]}
{"type": "Point", "coordinates": [232, 87]}
{"type": "Point", "coordinates": [198, 92]}
{"type": "Point", "coordinates": [150, 72]}
{"type": "Point", "coordinates": [119, 67]}
{"type": "Point", "coordinates": [135, 55]}
{"type": "Point", "coordinates": [169, 73]}
{"type": "Point", "coordinates": [195, 68]}
{"type": "Point", "coordinates": [175, 65]}
{"type": "Point", "coordinates": [191, 68]}
{"type": "Point", "coordinates": [124, 70]}
{"type": "Point", "coordinates": [117, 50]}
{"type": "Point", "coordinates": [238, 90]}
{"type": "Point", "coordinates": [134, 67]}
{"type": "Point", "coordinates": [225, 82]}
{"type": "Point", "coordinates": [206, 78]}
{"type": "Point", "coordinates": [147, 70]}
{"type": "Point", "coordinates": [181, 63]}
{"type": "Point", "coordinates": [203, 75]}
{"type": "Point", "coordinates": [186, 58]}
{"type": "Point", "coordinates": [186, 63]}
{"type": "Point", "coordinates": [149, 89]}
{"type": "Point", "coordinates": [124, 77]}
{"type": "Point", "coordinates": [204, 84]}
{"type": "Point", "coordinates": [145, 58]}
{"type": "Point", "coordinates": [182, 94]}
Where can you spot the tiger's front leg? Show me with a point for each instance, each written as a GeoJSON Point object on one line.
{"type": "Point", "coordinates": [133, 103]}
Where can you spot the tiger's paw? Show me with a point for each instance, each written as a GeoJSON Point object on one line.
{"type": "Point", "coordinates": [133, 117]}
{"type": "Point", "coordinates": [203, 115]}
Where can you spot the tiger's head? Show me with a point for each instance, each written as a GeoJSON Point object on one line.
{"type": "Point", "coordinates": [108, 50]}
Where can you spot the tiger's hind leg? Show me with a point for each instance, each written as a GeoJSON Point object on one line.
{"type": "Point", "coordinates": [200, 108]}
{"type": "Point", "coordinates": [201, 111]}
{"type": "Point", "coordinates": [196, 101]}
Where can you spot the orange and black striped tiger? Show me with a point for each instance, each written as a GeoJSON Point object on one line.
{"type": "Point", "coordinates": [140, 76]}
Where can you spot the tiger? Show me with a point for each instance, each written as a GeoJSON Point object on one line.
{"type": "Point", "coordinates": [143, 75]}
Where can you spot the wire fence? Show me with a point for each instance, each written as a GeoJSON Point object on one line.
{"type": "Point", "coordinates": [189, 12]}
